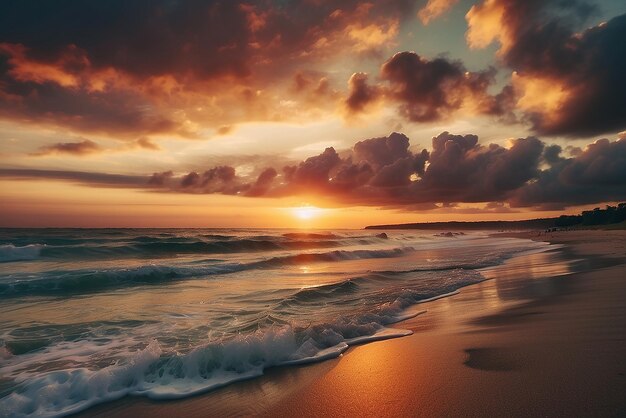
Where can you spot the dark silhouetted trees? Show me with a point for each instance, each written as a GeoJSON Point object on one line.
{"type": "Point", "coordinates": [610, 215]}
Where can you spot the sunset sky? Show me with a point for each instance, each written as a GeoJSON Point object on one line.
{"type": "Point", "coordinates": [310, 113]}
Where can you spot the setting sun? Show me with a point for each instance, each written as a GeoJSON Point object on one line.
{"type": "Point", "coordinates": [306, 213]}
{"type": "Point", "coordinates": [194, 194]}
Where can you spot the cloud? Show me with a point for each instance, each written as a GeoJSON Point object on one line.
{"type": "Point", "coordinates": [385, 171]}
{"type": "Point", "coordinates": [81, 177]}
{"type": "Point", "coordinates": [373, 36]}
{"type": "Point", "coordinates": [360, 93]}
{"type": "Point", "coordinates": [84, 147]}
{"type": "Point", "coordinates": [161, 179]}
{"type": "Point", "coordinates": [139, 38]}
{"type": "Point", "coordinates": [433, 9]}
{"type": "Point", "coordinates": [221, 179]}
{"type": "Point", "coordinates": [44, 98]}
{"type": "Point", "coordinates": [88, 147]}
{"type": "Point", "coordinates": [161, 67]}
{"type": "Point", "coordinates": [175, 68]}
{"type": "Point", "coordinates": [314, 172]}
{"type": "Point", "coordinates": [146, 143]}
{"type": "Point", "coordinates": [429, 90]}
{"type": "Point", "coordinates": [567, 80]}
{"type": "Point", "coordinates": [597, 174]}
{"type": "Point", "coordinates": [262, 183]}
{"type": "Point", "coordinates": [462, 170]}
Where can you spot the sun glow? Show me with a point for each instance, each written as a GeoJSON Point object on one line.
{"type": "Point", "coordinates": [306, 213]}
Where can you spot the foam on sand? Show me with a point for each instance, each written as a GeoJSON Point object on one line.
{"type": "Point", "coordinates": [155, 374]}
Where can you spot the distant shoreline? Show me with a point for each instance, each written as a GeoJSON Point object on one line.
{"type": "Point", "coordinates": [613, 217]}
{"type": "Point", "coordinates": [496, 226]}
{"type": "Point", "coordinates": [530, 224]}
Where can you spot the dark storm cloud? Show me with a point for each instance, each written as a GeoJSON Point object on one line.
{"type": "Point", "coordinates": [598, 86]}
{"type": "Point", "coordinates": [598, 174]}
{"type": "Point", "coordinates": [382, 151]}
{"type": "Point", "coordinates": [130, 66]}
{"type": "Point", "coordinates": [429, 90]}
{"type": "Point", "coordinates": [360, 93]}
{"type": "Point", "coordinates": [140, 37]}
{"type": "Point", "coordinates": [457, 169]}
{"type": "Point", "coordinates": [314, 171]}
{"type": "Point", "coordinates": [384, 171]}
{"type": "Point", "coordinates": [546, 42]}
{"type": "Point", "coordinates": [202, 37]}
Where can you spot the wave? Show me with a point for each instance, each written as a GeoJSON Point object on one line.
{"type": "Point", "coordinates": [317, 235]}
{"type": "Point", "coordinates": [153, 373]}
{"type": "Point", "coordinates": [66, 283]}
{"type": "Point", "coordinates": [10, 252]}
{"type": "Point", "coordinates": [166, 245]}
{"type": "Point", "coordinates": [81, 281]}
{"type": "Point", "coordinates": [326, 291]}
{"type": "Point", "coordinates": [164, 248]}
{"type": "Point", "coordinates": [63, 283]}
{"type": "Point", "coordinates": [337, 255]}
{"type": "Point", "coordinates": [310, 235]}
{"type": "Point", "coordinates": [404, 296]}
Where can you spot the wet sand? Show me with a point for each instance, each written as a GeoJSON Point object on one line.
{"type": "Point", "coordinates": [545, 337]}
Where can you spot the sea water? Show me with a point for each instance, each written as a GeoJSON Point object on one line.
{"type": "Point", "coordinates": [91, 315]}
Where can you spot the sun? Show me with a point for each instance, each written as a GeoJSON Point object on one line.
{"type": "Point", "coordinates": [306, 212]}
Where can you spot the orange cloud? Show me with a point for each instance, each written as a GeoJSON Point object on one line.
{"type": "Point", "coordinates": [373, 36]}
{"type": "Point", "coordinates": [177, 69]}
{"type": "Point", "coordinates": [146, 143]}
{"type": "Point", "coordinates": [486, 24]}
{"type": "Point", "coordinates": [540, 94]}
{"type": "Point", "coordinates": [433, 9]}
{"type": "Point", "coordinates": [24, 69]}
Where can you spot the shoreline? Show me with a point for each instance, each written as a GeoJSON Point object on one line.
{"type": "Point", "coordinates": [494, 337]}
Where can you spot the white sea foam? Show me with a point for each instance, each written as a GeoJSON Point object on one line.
{"type": "Point", "coordinates": [152, 373]}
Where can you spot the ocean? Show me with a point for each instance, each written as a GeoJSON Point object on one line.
{"type": "Point", "coordinates": [91, 315]}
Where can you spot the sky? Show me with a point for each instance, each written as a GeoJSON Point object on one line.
{"type": "Point", "coordinates": [309, 113]}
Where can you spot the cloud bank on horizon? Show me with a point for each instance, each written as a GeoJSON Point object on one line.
{"type": "Point", "coordinates": [385, 172]}
{"type": "Point", "coordinates": [139, 71]}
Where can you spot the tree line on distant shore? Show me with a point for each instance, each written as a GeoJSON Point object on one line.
{"type": "Point", "coordinates": [597, 216]}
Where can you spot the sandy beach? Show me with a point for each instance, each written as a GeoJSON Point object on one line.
{"type": "Point", "coordinates": [312, 208]}
{"type": "Point", "coordinates": [546, 336]}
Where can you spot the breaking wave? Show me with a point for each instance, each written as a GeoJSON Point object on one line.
{"type": "Point", "coordinates": [85, 281]}
{"type": "Point", "coordinates": [10, 252]}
